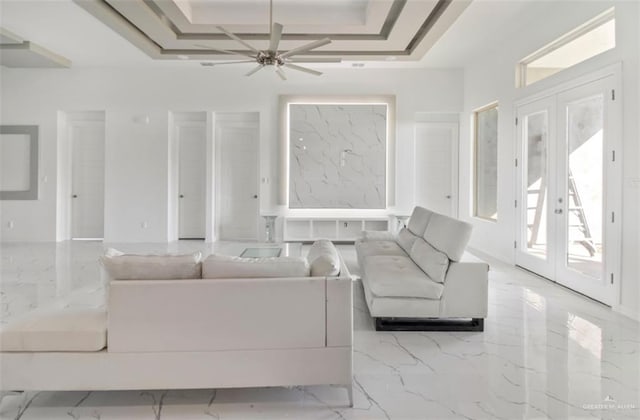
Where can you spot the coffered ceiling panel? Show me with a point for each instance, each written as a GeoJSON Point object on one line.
{"type": "Point", "coordinates": [358, 29]}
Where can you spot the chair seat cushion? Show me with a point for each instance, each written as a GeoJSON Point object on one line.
{"type": "Point", "coordinates": [398, 276]}
{"type": "Point", "coordinates": [56, 329]}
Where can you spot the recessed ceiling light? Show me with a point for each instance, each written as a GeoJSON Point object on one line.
{"type": "Point", "coordinates": [183, 57]}
{"type": "Point", "coordinates": [391, 58]}
{"type": "Point", "coordinates": [357, 64]}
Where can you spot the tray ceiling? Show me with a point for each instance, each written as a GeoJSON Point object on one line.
{"type": "Point", "coordinates": [359, 29]}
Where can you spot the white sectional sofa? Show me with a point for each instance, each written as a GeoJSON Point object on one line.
{"type": "Point", "coordinates": [418, 279]}
{"type": "Point", "coordinates": [176, 322]}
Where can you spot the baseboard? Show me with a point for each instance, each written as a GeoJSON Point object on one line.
{"type": "Point", "coordinates": [626, 311]}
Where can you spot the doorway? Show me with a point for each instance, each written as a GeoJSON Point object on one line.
{"type": "Point", "coordinates": [436, 157]}
{"type": "Point", "coordinates": [191, 137]}
{"type": "Point", "coordinates": [86, 134]}
{"type": "Point", "coordinates": [567, 199]}
{"type": "Point", "coordinates": [237, 171]}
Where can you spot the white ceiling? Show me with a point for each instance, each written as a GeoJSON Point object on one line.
{"type": "Point", "coordinates": [68, 30]}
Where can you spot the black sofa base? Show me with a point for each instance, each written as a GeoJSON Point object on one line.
{"type": "Point", "coordinates": [429, 324]}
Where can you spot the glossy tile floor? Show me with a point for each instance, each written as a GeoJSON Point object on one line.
{"type": "Point", "coordinates": [545, 353]}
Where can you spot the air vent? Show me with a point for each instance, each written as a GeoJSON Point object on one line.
{"type": "Point", "coordinates": [357, 65]}
{"type": "Point", "coordinates": [206, 64]}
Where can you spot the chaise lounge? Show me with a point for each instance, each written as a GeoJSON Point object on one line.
{"type": "Point", "coordinates": [420, 278]}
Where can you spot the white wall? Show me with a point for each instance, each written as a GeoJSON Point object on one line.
{"type": "Point", "coordinates": [492, 78]}
{"type": "Point", "coordinates": [137, 154]}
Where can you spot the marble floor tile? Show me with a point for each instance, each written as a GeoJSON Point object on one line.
{"type": "Point", "coordinates": [546, 352]}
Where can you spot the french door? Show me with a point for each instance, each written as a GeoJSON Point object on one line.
{"type": "Point", "coordinates": [567, 197]}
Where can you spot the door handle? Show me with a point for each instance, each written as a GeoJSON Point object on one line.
{"type": "Point", "coordinates": [558, 211]}
{"type": "Point", "coordinates": [74, 196]}
{"type": "Point", "coordinates": [448, 196]}
{"type": "Point", "coordinates": [255, 195]}
{"type": "Point", "coordinates": [181, 195]}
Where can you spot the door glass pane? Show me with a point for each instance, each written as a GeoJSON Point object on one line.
{"type": "Point", "coordinates": [486, 165]}
{"type": "Point", "coordinates": [536, 182]}
{"type": "Point", "coordinates": [585, 187]}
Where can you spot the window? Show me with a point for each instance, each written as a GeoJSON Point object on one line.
{"type": "Point", "coordinates": [485, 191]}
{"type": "Point", "coordinates": [588, 40]}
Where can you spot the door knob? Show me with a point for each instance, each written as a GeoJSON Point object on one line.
{"type": "Point", "coordinates": [255, 196]}
{"type": "Point", "coordinates": [181, 195]}
{"type": "Point", "coordinates": [75, 196]}
{"type": "Point", "coordinates": [448, 196]}
{"type": "Point", "coordinates": [558, 211]}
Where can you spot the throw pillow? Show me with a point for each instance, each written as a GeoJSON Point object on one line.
{"type": "Point", "coordinates": [120, 266]}
{"type": "Point", "coordinates": [324, 259]}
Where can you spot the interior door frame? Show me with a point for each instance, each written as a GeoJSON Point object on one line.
{"type": "Point", "coordinates": [238, 122]}
{"type": "Point", "coordinates": [613, 177]}
{"type": "Point", "coordinates": [455, 140]}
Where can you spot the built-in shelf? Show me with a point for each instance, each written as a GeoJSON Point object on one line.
{"type": "Point", "coordinates": [345, 229]}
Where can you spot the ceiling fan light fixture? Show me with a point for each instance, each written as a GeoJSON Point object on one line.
{"type": "Point", "coordinates": [271, 56]}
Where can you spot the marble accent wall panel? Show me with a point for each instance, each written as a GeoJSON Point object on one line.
{"type": "Point", "coordinates": [337, 156]}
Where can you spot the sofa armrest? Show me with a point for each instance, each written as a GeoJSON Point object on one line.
{"type": "Point", "coordinates": [465, 292]}
{"type": "Point", "coordinates": [376, 235]}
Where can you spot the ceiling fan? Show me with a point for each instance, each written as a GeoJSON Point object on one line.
{"type": "Point", "coordinates": [271, 56]}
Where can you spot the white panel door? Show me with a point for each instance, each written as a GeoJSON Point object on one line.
{"type": "Point", "coordinates": [238, 203]}
{"type": "Point", "coordinates": [437, 166]}
{"type": "Point", "coordinates": [87, 179]}
{"type": "Point", "coordinates": [567, 188]}
{"type": "Point", "coordinates": [191, 180]}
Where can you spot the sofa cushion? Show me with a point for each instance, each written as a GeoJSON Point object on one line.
{"type": "Point", "coordinates": [398, 276]}
{"type": "Point", "coordinates": [369, 248]}
{"type": "Point", "coordinates": [448, 235]}
{"type": "Point", "coordinates": [323, 259]}
{"type": "Point", "coordinates": [419, 220]}
{"type": "Point", "coordinates": [433, 262]}
{"type": "Point", "coordinates": [406, 239]}
{"type": "Point", "coordinates": [56, 329]}
{"type": "Point", "coordinates": [227, 267]}
{"type": "Point", "coordinates": [376, 235]}
{"type": "Point", "coordinates": [121, 266]}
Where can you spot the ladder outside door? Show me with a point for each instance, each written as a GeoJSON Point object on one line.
{"type": "Point", "coordinates": [576, 208]}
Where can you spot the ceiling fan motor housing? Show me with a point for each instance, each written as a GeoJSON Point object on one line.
{"type": "Point", "coordinates": [269, 58]}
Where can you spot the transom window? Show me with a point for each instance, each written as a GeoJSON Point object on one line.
{"type": "Point", "coordinates": [588, 40]}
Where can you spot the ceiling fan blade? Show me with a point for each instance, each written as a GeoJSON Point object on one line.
{"type": "Point", "coordinates": [259, 67]}
{"type": "Point", "coordinates": [240, 40]}
{"type": "Point", "coordinates": [313, 60]}
{"type": "Point", "coordinates": [306, 47]}
{"type": "Point", "coordinates": [276, 34]}
{"type": "Point", "coordinates": [218, 63]}
{"type": "Point", "coordinates": [304, 69]}
{"type": "Point", "coordinates": [224, 51]}
{"type": "Point", "coordinates": [281, 73]}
